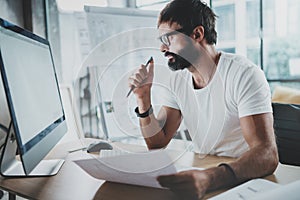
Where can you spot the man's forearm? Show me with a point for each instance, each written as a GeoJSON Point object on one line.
{"type": "Point", "coordinates": [151, 128]}
{"type": "Point", "coordinates": [153, 133]}
{"type": "Point", "coordinates": [257, 162]}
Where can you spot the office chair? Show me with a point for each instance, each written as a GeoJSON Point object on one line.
{"type": "Point", "coordinates": [287, 131]}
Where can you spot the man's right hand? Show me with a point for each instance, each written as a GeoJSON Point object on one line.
{"type": "Point", "coordinates": [142, 80]}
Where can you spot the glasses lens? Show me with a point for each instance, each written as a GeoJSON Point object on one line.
{"type": "Point", "coordinates": [165, 40]}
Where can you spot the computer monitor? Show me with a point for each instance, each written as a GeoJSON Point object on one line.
{"type": "Point", "coordinates": [34, 102]}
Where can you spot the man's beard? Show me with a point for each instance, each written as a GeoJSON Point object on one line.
{"type": "Point", "coordinates": [178, 63]}
{"type": "Point", "coordinates": [184, 58]}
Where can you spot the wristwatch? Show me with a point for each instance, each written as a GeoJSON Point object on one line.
{"type": "Point", "coordinates": [145, 114]}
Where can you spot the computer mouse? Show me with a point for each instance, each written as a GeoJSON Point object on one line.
{"type": "Point", "coordinates": [98, 146]}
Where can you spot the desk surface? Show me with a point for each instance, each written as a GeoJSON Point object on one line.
{"type": "Point", "coordinates": [73, 183]}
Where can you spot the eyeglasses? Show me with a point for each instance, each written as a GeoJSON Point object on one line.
{"type": "Point", "coordinates": [165, 37]}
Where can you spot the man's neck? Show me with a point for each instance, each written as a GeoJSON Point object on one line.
{"type": "Point", "coordinates": [205, 68]}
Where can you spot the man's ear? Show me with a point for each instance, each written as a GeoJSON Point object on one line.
{"type": "Point", "coordinates": [198, 33]}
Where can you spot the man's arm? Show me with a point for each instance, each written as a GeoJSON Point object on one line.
{"type": "Point", "coordinates": [157, 131]}
{"type": "Point", "coordinates": [260, 160]}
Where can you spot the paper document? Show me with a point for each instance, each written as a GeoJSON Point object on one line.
{"type": "Point", "coordinates": [290, 191]}
{"type": "Point", "coordinates": [134, 168]}
{"type": "Point", "coordinates": [247, 190]}
{"type": "Point", "coordinates": [261, 189]}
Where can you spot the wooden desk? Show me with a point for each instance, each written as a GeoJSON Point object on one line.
{"type": "Point", "coordinates": [73, 183]}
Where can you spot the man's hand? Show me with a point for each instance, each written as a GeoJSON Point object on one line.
{"type": "Point", "coordinates": [142, 80]}
{"type": "Point", "coordinates": [190, 184]}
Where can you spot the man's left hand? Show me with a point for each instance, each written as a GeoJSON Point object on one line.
{"type": "Point", "coordinates": [190, 184]}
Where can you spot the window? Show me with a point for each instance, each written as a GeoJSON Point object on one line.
{"type": "Point", "coordinates": [253, 31]}
{"type": "Point", "coordinates": [269, 17]}
{"type": "Point", "coordinates": [277, 50]}
{"type": "Point", "coordinates": [281, 41]}
{"type": "Point", "coordinates": [238, 27]}
{"type": "Point", "coordinates": [78, 5]}
{"type": "Point", "coordinates": [151, 4]}
{"type": "Point", "coordinates": [252, 18]}
{"type": "Point", "coordinates": [226, 22]}
{"type": "Point", "coordinates": [154, 4]}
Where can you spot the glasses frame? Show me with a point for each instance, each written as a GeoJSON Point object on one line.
{"type": "Point", "coordinates": [165, 37]}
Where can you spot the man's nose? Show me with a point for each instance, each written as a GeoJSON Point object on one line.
{"type": "Point", "coordinates": [164, 48]}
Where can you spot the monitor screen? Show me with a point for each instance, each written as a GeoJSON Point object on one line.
{"type": "Point", "coordinates": [32, 93]}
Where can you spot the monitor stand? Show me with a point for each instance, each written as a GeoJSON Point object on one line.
{"type": "Point", "coordinates": [11, 166]}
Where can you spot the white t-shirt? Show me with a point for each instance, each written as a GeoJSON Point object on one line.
{"type": "Point", "coordinates": [211, 114]}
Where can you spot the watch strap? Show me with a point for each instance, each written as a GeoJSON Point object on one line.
{"type": "Point", "coordinates": [145, 114]}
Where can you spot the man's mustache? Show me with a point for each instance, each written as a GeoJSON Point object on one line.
{"type": "Point", "coordinates": [170, 53]}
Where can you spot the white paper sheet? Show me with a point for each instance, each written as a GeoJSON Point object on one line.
{"type": "Point", "coordinates": [247, 190]}
{"type": "Point", "coordinates": [290, 191]}
{"type": "Point", "coordinates": [134, 168]}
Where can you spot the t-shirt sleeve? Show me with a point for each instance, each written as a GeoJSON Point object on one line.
{"type": "Point", "coordinates": [253, 94]}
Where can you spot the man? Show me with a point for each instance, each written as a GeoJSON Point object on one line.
{"type": "Point", "coordinates": [223, 98]}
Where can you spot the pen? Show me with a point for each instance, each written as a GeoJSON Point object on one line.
{"type": "Point", "coordinates": [132, 87]}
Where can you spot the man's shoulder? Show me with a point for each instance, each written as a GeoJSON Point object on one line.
{"type": "Point", "coordinates": [235, 60]}
{"type": "Point", "coordinates": [237, 65]}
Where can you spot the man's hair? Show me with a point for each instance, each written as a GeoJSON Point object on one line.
{"type": "Point", "coordinates": [189, 14]}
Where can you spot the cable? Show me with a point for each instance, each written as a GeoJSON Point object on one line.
{"type": "Point", "coordinates": [4, 128]}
